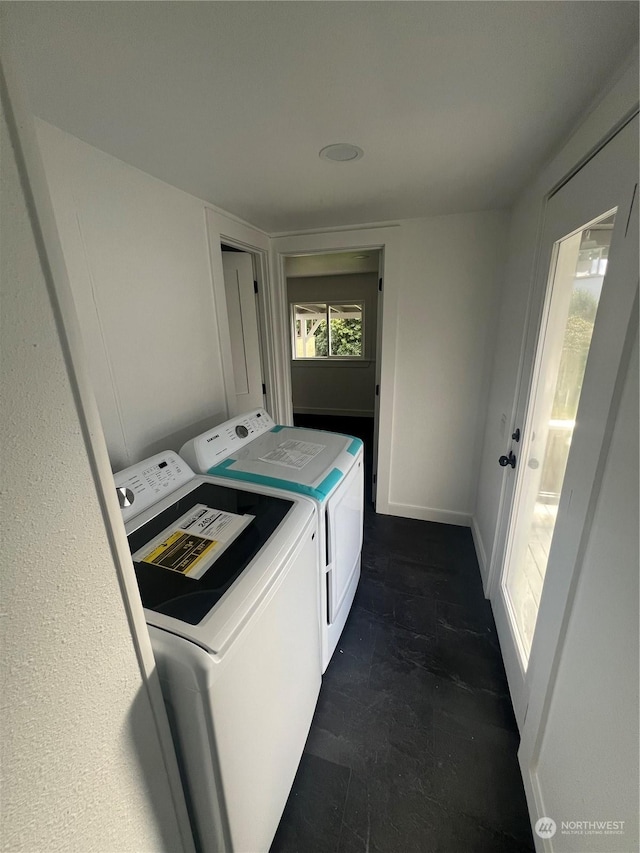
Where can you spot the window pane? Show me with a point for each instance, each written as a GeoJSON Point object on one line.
{"type": "Point", "coordinates": [311, 330]}
{"type": "Point", "coordinates": [345, 330]}
{"type": "Point", "coordinates": [569, 326]}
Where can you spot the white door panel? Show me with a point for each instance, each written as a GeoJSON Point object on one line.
{"type": "Point", "coordinates": [243, 329]}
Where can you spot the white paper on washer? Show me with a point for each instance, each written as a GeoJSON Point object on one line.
{"type": "Point", "coordinates": [193, 543]}
{"type": "Point", "coordinates": [293, 454]}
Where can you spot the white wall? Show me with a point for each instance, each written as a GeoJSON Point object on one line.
{"type": "Point", "coordinates": [81, 761]}
{"type": "Point", "coordinates": [138, 259]}
{"type": "Point", "coordinates": [495, 483]}
{"type": "Point", "coordinates": [337, 388]}
{"type": "Point", "coordinates": [447, 303]}
{"type": "Point", "coordinates": [588, 765]}
{"type": "Point", "coordinates": [441, 278]}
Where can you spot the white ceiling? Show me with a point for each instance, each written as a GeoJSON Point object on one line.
{"type": "Point", "coordinates": [454, 103]}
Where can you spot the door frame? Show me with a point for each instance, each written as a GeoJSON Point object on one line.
{"type": "Point", "coordinates": [598, 409]}
{"type": "Point", "coordinates": [220, 229]}
{"type": "Point", "coordinates": [531, 325]}
{"type": "Point", "coordinates": [387, 239]}
{"type": "Point", "coordinates": [378, 333]}
{"type": "Point", "coordinates": [602, 409]}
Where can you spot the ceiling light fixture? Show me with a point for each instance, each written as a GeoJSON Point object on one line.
{"type": "Point", "coordinates": [341, 152]}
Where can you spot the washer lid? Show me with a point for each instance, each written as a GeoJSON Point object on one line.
{"type": "Point", "coordinates": [192, 551]}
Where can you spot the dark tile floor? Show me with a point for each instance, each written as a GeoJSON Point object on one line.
{"type": "Point", "coordinates": [413, 744]}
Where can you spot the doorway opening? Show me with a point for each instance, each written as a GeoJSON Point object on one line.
{"type": "Point", "coordinates": [334, 313]}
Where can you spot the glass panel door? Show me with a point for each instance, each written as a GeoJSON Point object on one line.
{"type": "Point", "coordinates": [577, 275]}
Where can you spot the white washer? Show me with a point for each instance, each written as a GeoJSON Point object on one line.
{"type": "Point", "coordinates": [228, 578]}
{"type": "Point", "coordinates": [325, 466]}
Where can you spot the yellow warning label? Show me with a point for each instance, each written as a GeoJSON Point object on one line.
{"type": "Point", "coordinates": [180, 551]}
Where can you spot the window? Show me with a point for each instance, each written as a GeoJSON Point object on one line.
{"type": "Point", "coordinates": [327, 330]}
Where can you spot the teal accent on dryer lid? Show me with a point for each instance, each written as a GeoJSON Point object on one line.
{"type": "Point", "coordinates": [354, 447]}
{"type": "Point", "coordinates": [319, 492]}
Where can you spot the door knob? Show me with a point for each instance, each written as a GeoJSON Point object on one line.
{"type": "Point", "coordinates": [516, 435]}
{"type": "Point", "coordinates": [508, 460]}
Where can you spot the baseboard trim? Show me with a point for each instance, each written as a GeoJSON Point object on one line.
{"type": "Point", "coordinates": [481, 553]}
{"type": "Point", "coordinates": [424, 513]}
{"type": "Point", "coordinates": [535, 803]}
{"type": "Point", "coordinates": [345, 413]}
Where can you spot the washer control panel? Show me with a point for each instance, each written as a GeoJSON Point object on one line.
{"type": "Point", "coordinates": [141, 485]}
{"type": "Point", "coordinates": [213, 446]}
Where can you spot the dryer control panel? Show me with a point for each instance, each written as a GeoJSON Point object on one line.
{"type": "Point", "coordinates": [213, 446]}
{"type": "Point", "coordinates": [142, 485]}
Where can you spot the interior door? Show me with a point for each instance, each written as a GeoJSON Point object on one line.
{"type": "Point", "coordinates": [587, 285]}
{"type": "Point", "coordinates": [243, 329]}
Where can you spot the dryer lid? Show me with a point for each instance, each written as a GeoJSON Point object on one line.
{"type": "Point", "coordinates": [251, 448]}
{"type": "Point", "coordinates": [308, 462]}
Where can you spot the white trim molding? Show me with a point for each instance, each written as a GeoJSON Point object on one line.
{"type": "Point", "coordinates": [481, 552]}
{"type": "Point", "coordinates": [425, 513]}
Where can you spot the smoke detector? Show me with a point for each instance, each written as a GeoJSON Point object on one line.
{"type": "Point", "coordinates": [341, 152]}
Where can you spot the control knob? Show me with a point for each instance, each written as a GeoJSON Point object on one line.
{"type": "Point", "coordinates": [125, 497]}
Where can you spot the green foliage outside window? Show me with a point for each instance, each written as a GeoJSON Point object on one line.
{"type": "Point", "coordinates": [577, 340]}
{"type": "Point", "coordinates": [346, 338]}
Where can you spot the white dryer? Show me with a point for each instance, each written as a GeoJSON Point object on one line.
{"type": "Point", "coordinates": [326, 466]}
{"type": "Point", "coordinates": [227, 576]}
